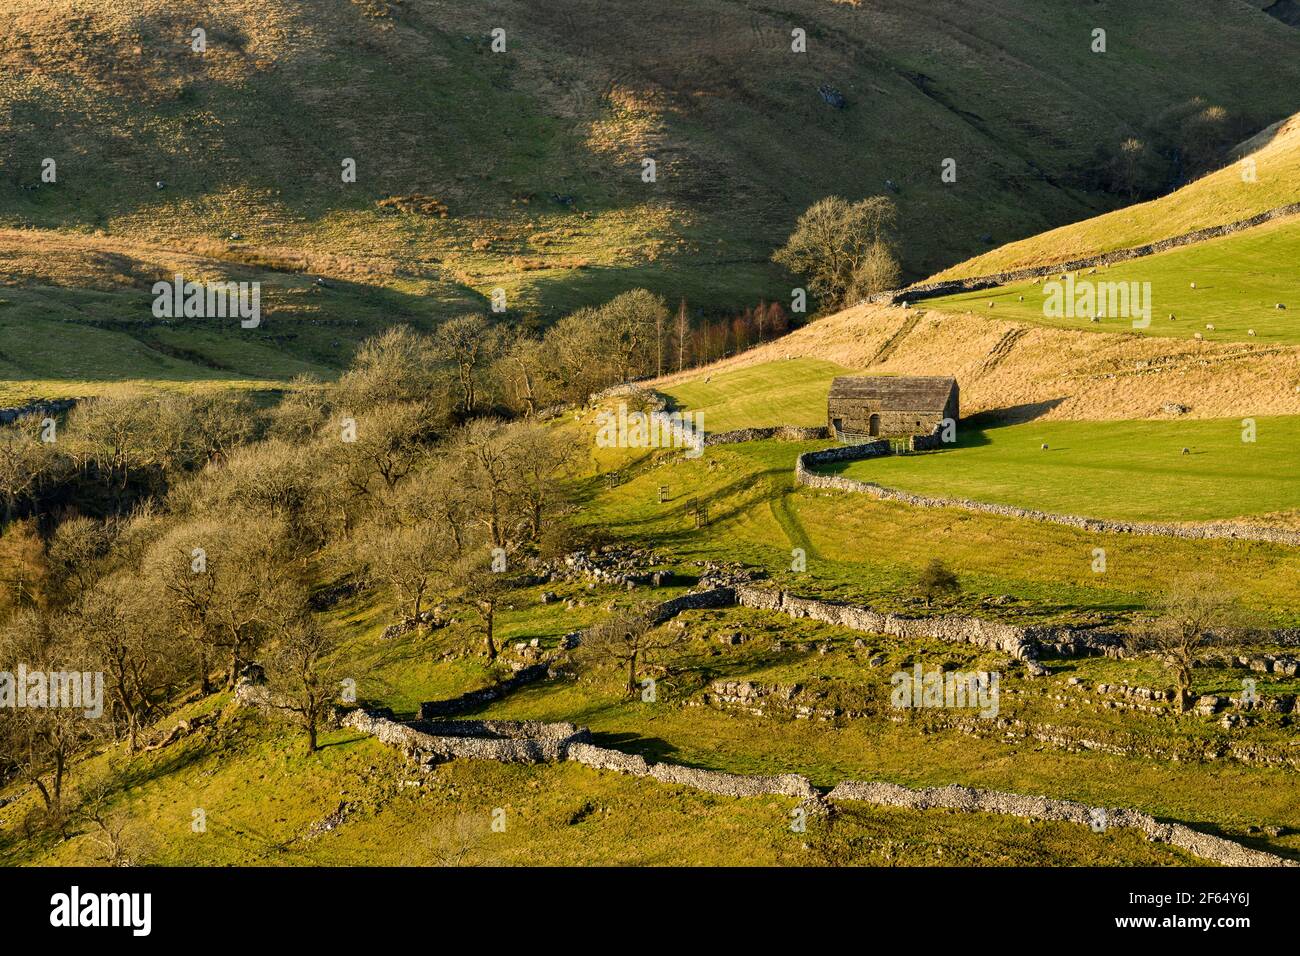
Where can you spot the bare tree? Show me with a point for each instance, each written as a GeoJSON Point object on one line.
{"type": "Point", "coordinates": [1196, 616]}
{"type": "Point", "coordinates": [467, 343]}
{"type": "Point", "coordinates": [629, 640]}
{"type": "Point", "coordinates": [483, 588]}
{"type": "Point", "coordinates": [301, 681]}
{"type": "Point", "coordinates": [23, 458]}
{"type": "Point", "coordinates": [683, 333]}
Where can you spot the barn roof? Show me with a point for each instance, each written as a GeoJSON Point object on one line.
{"type": "Point", "coordinates": [900, 392]}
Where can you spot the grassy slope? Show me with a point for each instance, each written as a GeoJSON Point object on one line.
{"type": "Point", "coordinates": [779, 393]}
{"type": "Point", "coordinates": [1239, 281]}
{"type": "Point", "coordinates": [1218, 198]}
{"type": "Point", "coordinates": [871, 551]}
{"type": "Point", "coordinates": [262, 795]}
{"type": "Point", "coordinates": [76, 315]}
{"type": "Point", "coordinates": [1123, 470]}
{"type": "Point", "coordinates": [1021, 371]}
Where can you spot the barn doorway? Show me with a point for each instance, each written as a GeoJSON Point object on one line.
{"type": "Point", "coordinates": [873, 427]}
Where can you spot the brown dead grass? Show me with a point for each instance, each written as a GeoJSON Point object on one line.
{"type": "Point", "coordinates": [1080, 375]}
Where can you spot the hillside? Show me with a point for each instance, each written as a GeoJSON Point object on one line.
{"type": "Point", "coordinates": [76, 316]}
{"type": "Point", "coordinates": [1222, 197]}
{"type": "Point", "coordinates": [1238, 288]}
{"type": "Point", "coordinates": [1025, 371]}
{"type": "Point", "coordinates": [522, 169]}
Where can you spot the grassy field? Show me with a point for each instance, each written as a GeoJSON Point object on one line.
{"type": "Point", "coordinates": [1221, 197]}
{"type": "Point", "coordinates": [871, 551]}
{"type": "Point", "coordinates": [1123, 470]}
{"type": "Point", "coordinates": [1239, 281]}
{"type": "Point", "coordinates": [774, 393]}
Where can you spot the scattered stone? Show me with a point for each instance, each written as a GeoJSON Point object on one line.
{"type": "Point", "coordinates": [549, 597]}
{"type": "Point", "coordinates": [1208, 705]}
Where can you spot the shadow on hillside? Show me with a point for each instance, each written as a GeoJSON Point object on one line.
{"type": "Point", "coordinates": [1012, 414]}
{"type": "Point", "coordinates": [653, 749]}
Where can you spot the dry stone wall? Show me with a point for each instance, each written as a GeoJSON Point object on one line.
{"type": "Point", "coordinates": [52, 407]}
{"type": "Point", "coordinates": [1203, 845]}
{"type": "Point", "coordinates": [930, 290]}
{"type": "Point", "coordinates": [772, 433]}
{"type": "Point", "coordinates": [527, 742]}
{"type": "Point", "coordinates": [1017, 642]}
{"type": "Point", "coordinates": [1219, 530]}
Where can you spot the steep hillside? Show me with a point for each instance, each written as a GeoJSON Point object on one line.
{"type": "Point", "coordinates": [1021, 371]}
{"type": "Point", "coordinates": [535, 154]}
{"type": "Point", "coordinates": [1229, 195]}
{"type": "Point", "coordinates": [76, 316]}
{"type": "Point", "coordinates": [1238, 288]}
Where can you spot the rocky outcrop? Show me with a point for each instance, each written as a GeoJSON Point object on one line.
{"type": "Point", "coordinates": [1207, 847]}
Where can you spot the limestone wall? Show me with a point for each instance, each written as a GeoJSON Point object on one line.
{"type": "Point", "coordinates": [52, 407]}
{"type": "Point", "coordinates": [502, 741]}
{"type": "Point", "coordinates": [1203, 845]}
{"type": "Point", "coordinates": [930, 290]}
{"type": "Point", "coordinates": [536, 742]}
{"type": "Point", "coordinates": [1219, 530]}
{"type": "Point", "coordinates": [714, 597]}
{"type": "Point", "coordinates": [1018, 642]}
{"type": "Point", "coordinates": [772, 433]}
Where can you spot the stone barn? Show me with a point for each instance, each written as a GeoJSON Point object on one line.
{"type": "Point", "coordinates": [889, 406]}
